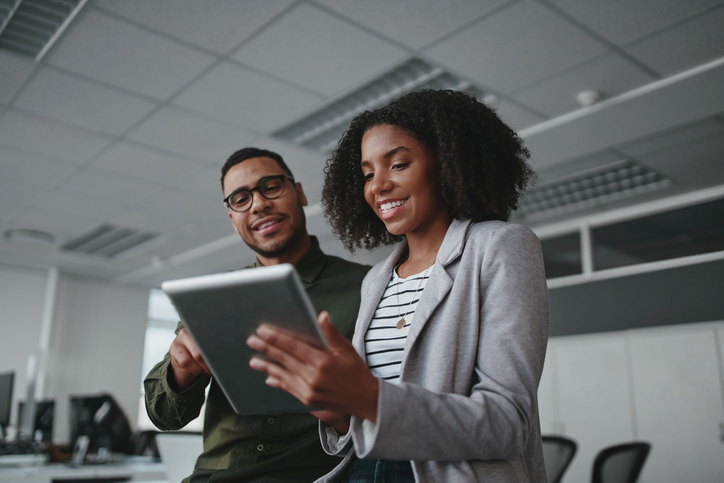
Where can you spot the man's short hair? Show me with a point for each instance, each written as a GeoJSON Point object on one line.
{"type": "Point", "coordinates": [251, 152]}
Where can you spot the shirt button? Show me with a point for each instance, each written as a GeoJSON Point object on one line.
{"type": "Point", "coordinates": [270, 420]}
{"type": "Point", "coordinates": [260, 447]}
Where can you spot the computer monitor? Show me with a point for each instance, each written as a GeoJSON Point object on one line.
{"type": "Point", "coordinates": [6, 399]}
{"type": "Point", "coordinates": [102, 419]}
{"type": "Point", "coordinates": [44, 416]}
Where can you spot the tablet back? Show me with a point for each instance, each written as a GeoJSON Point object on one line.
{"type": "Point", "coordinates": [220, 311]}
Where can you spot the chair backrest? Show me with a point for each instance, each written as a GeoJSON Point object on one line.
{"type": "Point", "coordinates": [558, 452]}
{"type": "Point", "coordinates": [179, 452]}
{"type": "Point", "coordinates": [621, 463]}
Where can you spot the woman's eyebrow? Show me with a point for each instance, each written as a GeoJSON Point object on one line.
{"type": "Point", "coordinates": [389, 154]}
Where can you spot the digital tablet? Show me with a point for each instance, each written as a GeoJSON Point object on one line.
{"type": "Point", "coordinates": [222, 310]}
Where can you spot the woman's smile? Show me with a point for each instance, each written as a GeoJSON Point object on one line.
{"type": "Point", "coordinates": [401, 181]}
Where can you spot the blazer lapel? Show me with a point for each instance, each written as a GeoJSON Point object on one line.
{"type": "Point", "coordinates": [439, 283]}
{"type": "Point", "coordinates": [371, 298]}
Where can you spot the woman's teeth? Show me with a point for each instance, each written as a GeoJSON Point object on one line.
{"type": "Point", "coordinates": [384, 208]}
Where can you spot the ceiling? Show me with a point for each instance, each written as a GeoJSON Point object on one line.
{"type": "Point", "coordinates": [129, 116]}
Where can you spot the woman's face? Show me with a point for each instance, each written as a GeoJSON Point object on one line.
{"type": "Point", "coordinates": [401, 182]}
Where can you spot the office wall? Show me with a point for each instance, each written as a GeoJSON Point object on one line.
{"type": "Point", "coordinates": [97, 339]}
{"type": "Point", "coordinates": [674, 296]}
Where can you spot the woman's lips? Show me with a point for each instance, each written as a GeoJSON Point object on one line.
{"type": "Point", "coordinates": [391, 208]}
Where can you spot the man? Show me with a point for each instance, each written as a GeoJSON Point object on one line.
{"type": "Point", "coordinates": [265, 206]}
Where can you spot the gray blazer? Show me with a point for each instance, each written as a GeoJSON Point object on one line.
{"type": "Point", "coordinates": [466, 407]}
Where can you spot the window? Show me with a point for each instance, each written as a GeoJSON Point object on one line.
{"type": "Point", "coordinates": [662, 234]}
{"type": "Point", "coordinates": [160, 332]}
{"type": "Point", "coordinates": [679, 233]}
{"type": "Point", "coordinates": [562, 255]}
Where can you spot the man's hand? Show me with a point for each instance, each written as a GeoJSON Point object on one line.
{"type": "Point", "coordinates": [187, 363]}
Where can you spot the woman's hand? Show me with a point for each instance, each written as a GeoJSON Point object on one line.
{"type": "Point", "coordinates": [335, 379]}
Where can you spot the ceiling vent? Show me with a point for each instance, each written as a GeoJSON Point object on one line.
{"type": "Point", "coordinates": [322, 129]}
{"type": "Point", "coordinates": [108, 241]}
{"type": "Point", "coordinates": [31, 27]}
{"type": "Point", "coordinates": [606, 184]}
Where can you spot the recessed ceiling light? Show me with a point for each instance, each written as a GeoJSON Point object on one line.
{"type": "Point", "coordinates": [26, 235]}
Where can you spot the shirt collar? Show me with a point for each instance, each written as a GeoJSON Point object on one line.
{"type": "Point", "coordinates": [310, 265]}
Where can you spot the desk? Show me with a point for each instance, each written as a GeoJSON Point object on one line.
{"type": "Point", "coordinates": [140, 468]}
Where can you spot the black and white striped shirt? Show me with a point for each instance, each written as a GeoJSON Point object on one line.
{"type": "Point", "coordinates": [384, 342]}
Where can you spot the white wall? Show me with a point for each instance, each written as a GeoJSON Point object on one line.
{"type": "Point", "coordinates": [663, 385]}
{"type": "Point", "coordinates": [96, 343]}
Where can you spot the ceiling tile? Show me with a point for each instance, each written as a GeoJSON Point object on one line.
{"type": "Point", "coordinates": [609, 74]}
{"type": "Point", "coordinates": [575, 166]}
{"type": "Point", "coordinates": [31, 166]}
{"type": "Point", "coordinates": [515, 116]}
{"type": "Point", "coordinates": [621, 21]}
{"type": "Point", "coordinates": [412, 26]}
{"type": "Point", "coordinates": [181, 132]}
{"type": "Point", "coordinates": [217, 25]}
{"type": "Point", "coordinates": [515, 47]}
{"type": "Point", "coordinates": [694, 157]}
{"type": "Point", "coordinates": [107, 185]}
{"type": "Point", "coordinates": [14, 70]}
{"type": "Point", "coordinates": [10, 209]}
{"type": "Point", "coordinates": [242, 96]}
{"type": "Point", "coordinates": [684, 46]}
{"type": "Point", "coordinates": [119, 53]}
{"type": "Point", "coordinates": [673, 137]}
{"type": "Point", "coordinates": [71, 203]}
{"type": "Point", "coordinates": [80, 102]}
{"type": "Point", "coordinates": [306, 165]}
{"type": "Point", "coordinates": [319, 51]}
{"type": "Point", "coordinates": [30, 133]}
{"type": "Point", "coordinates": [65, 228]}
{"type": "Point", "coordinates": [151, 220]}
{"type": "Point", "coordinates": [18, 191]}
{"type": "Point", "coordinates": [203, 181]}
{"type": "Point", "coordinates": [148, 163]}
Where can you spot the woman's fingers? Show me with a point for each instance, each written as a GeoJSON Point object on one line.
{"type": "Point", "coordinates": [334, 337]}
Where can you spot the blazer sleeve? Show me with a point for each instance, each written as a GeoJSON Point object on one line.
{"type": "Point", "coordinates": [495, 419]}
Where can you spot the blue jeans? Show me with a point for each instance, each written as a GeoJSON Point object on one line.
{"type": "Point", "coordinates": [380, 471]}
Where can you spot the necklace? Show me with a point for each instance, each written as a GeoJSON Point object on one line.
{"type": "Point", "coordinates": [401, 323]}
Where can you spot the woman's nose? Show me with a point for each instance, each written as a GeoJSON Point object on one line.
{"type": "Point", "coordinates": [380, 183]}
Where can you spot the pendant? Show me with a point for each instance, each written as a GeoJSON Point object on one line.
{"type": "Point", "coordinates": [401, 323]}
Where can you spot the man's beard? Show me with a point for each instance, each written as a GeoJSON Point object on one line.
{"type": "Point", "coordinates": [279, 246]}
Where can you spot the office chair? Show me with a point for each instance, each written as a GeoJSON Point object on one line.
{"type": "Point", "coordinates": [558, 452]}
{"type": "Point", "coordinates": [621, 463]}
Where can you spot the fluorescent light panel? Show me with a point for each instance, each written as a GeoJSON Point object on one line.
{"type": "Point", "coordinates": [30, 27]}
{"type": "Point", "coordinates": [108, 241]}
{"type": "Point", "coordinates": [322, 129]}
{"type": "Point", "coordinates": [613, 182]}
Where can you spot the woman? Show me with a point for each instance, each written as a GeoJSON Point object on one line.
{"type": "Point", "coordinates": [453, 325]}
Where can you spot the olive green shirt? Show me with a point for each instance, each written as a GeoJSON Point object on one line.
{"type": "Point", "coordinates": [272, 447]}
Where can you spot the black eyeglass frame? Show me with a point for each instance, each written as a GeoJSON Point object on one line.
{"type": "Point", "coordinates": [258, 186]}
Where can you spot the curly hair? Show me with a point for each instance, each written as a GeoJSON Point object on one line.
{"type": "Point", "coordinates": [482, 163]}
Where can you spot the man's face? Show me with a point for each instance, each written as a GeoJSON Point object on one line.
{"type": "Point", "coordinates": [269, 227]}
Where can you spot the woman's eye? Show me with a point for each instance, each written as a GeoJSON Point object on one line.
{"type": "Point", "coordinates": [368, 177]}
{"type": "Point", "coordinates": [400, 165]}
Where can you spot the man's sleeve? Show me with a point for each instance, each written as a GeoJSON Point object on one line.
{"type": "Point", "coordinates": [167, 408]}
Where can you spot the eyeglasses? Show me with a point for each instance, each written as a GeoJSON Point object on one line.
{"type": "Point", "coordinates": [270, 187]}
